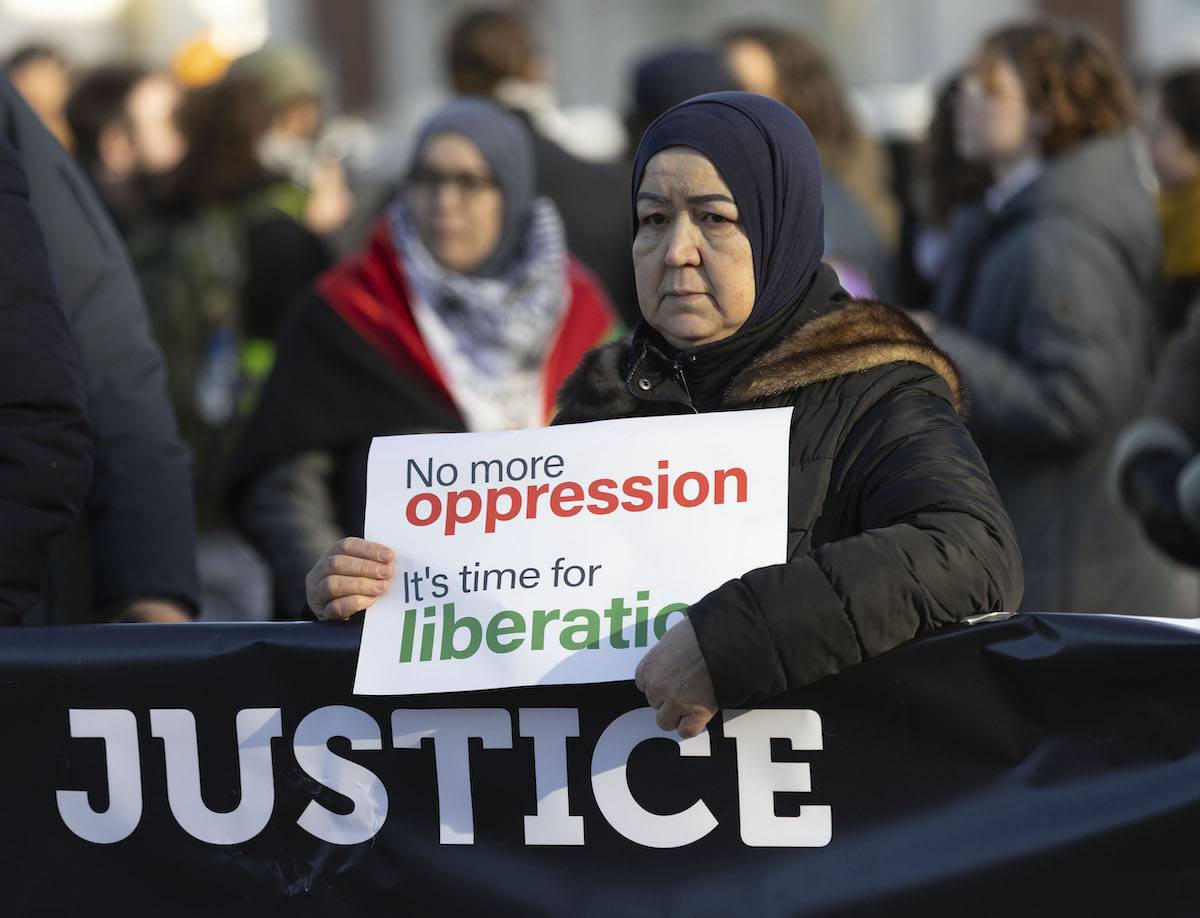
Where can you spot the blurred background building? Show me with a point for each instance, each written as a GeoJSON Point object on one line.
{"type": "Point", "coordinates": [385, 55]}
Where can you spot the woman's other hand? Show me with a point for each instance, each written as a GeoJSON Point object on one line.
{"type": "Point", "coordinates": [675, 679]}
{"type": "Point", "coordinates": [348, 578]}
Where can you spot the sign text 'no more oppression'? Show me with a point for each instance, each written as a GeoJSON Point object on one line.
{"type": "Point", "coordinates": [561, 555]}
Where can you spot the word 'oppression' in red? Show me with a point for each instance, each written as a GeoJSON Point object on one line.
{"type": "Point", "coordinates": [569, 498]}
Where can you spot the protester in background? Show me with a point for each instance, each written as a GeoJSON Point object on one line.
{"type": "Point", "coordinates": [894, 527]}
{"type": "Point", "coordinates": [220, 274]}
{"type": "Point", "coordinates": [668, 76]}
{"type": "Point", "coordinates": [1043, 304]}
{"type": "Point", "coordinates": [1156, 464]}
{"type": "Point", "coordinates": [1175, 149]}
{"type": "Point", "coordinates": [290, 87]}
{"type": "Point", "coordinates": [137, 531]}
{"type": "Point", "coordinates": [45, 444]}
{"type": "Point", "coordinates": [862, 218]}
{"type": "Point", "coordinates": [126, 138]}
{"type": "Point", "coordinates": [493, 52]}
{"type": "Point", "coordinates": [42, 76]}
{"type": "Point", "coordinates": [945, 181]}
{"type": "Point", "coordinates": [464, 312]}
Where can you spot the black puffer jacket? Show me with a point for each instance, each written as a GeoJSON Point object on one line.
{"type": "Point", "coordinates": [894, 526]}
{"type": "Point", "coordinates": [136, 539]}
{"type": "Point", "coordinates": [45, 444]}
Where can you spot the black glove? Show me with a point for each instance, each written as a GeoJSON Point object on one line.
{"type": "Point", "coordinates": [1149, 489]}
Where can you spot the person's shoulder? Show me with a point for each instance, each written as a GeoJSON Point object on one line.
{"type": "Point", "coordinates": [863, 347]}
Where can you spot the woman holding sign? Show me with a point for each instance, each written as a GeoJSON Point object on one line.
{"type": "Point", "coordinates": [894, 526]}
{"type": "Point", "coordinates": [464, 312]}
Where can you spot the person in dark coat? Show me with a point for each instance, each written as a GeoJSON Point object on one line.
{"type": "Point", "coordinates": [45, 443]}
{"type": "Point", "coordinates": [139, 533]}
{"type": "Point", "coordinates": [1043, 303]}
{"type": "Point", "coordinates": [492, 52]}
{"type": "Point", "coordinates": [894, 526]}
{"type": "Point", "coordinates": [942, 182]}
{"type": "Point", "coordinates": [465, 311]}
{"type": "Point", "coordinates": [1156, 463]}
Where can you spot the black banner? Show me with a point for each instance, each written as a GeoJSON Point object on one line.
{"type": "Point", "coordinates": [1046, 765]}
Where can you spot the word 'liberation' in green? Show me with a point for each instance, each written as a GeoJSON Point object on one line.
{"type": "Point", "coordinates": [578, 629]}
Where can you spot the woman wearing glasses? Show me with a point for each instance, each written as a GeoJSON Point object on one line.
{"type": "Point", "coordinates": [463, 312]}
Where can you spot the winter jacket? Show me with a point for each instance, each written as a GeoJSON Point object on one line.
{"type": "Point", "coordinates": [138, 528]}
{"type": "Point", "coordinates": [1043, 305]}
{"type": "Point", "coordinates": [894, 527]}
{"type": "Point", "coordinates": [45, 444]}
{"type": "Point", "coordinates": [298, 479]}
{"type": "Point", "coordinates": [247, 262]}
{"type": "Point", "coordinates": [1156, 463]}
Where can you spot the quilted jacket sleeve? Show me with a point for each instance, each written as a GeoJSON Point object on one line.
{"type": "Point", "coordinates": [45, 444]}
{"type": "Point", "coordinates": [923, 541]}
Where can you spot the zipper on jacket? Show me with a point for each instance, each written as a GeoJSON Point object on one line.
{"type": "Point", "coordinates": [681, 377]}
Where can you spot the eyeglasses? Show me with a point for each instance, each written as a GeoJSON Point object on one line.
{"type": "Point", "coordinates": [467, 184]}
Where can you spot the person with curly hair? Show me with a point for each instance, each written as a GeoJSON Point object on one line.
{"type": "Point", "coordinates": [1044, 305]}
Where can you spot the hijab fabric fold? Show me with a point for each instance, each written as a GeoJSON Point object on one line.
{"type": "Point", "coordinates": [767, 157]}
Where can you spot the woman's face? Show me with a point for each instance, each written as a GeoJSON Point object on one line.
{"type": "Point", "coordinates": [992, 121]}
{"type": "Point", "coordinates": [691, 255]}
{"type": "Point", "coordinates": [456, 206]}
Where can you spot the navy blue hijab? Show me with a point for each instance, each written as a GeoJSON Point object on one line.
{"type": "Point", "coordinates": [767, 157]}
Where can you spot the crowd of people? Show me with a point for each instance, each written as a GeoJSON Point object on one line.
{"type": "Point", "coordinates": [192, 272]}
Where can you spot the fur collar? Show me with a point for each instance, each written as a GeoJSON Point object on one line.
{"type": "Point", "coordinates": [861, 335]}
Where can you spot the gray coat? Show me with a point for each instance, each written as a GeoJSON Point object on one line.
{"type": "Point", "coordinates": [1044, 307]}
{"type": "Point", "coordinates": [139, 532]}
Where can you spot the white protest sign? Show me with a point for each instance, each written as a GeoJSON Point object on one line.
{"type": "Point", "coordinates": [560, 555]}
